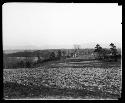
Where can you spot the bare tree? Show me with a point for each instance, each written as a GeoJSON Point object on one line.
{"type": "Point", "coordinates": [76, 50]}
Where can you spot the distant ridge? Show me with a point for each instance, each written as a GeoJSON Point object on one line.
{"type": "Point", "coordinates": [15, 51]}
{"type": "Point", "coordinates": [11, 51]}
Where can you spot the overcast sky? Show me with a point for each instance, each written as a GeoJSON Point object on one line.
{"type": "Point", "coordinates": [54, 25]}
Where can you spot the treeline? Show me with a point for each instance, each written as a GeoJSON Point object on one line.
{"type": "Point", "coordinates": [28, 53]}
{"type": "Point", "coordinates": [107, 54]}
{"type": "Point", "coordinates": [28, 62]}
{"type": "Point", "coordinates": [44, 56]}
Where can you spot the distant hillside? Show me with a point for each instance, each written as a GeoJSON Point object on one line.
{"type": "Point", "coordinates": [44, 53]}
{"type": "Point", "coordinates": [11, 51]}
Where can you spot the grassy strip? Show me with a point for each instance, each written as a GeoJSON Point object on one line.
{"type": "Point", "coordinates": [15, 90]}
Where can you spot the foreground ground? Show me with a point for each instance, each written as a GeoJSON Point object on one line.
{"type": "Point", "coordinates": [72, 80]}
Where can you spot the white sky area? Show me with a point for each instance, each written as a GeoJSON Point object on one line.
{"type": "Point", "coordinates": [61, 25]}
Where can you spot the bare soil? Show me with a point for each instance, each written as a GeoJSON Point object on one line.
{"type": "Point", "coordinates": [59, 80]}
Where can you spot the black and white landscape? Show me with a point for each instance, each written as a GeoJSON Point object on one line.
{"type": "Point", "coordinates": [62, 51]}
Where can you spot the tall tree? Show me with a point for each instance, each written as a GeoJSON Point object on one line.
{"type": "Point", "coordinates": [99, 51]}
{"type": "Point", "coordinates": [52, 56]}
{"type": "Point", "coordinates": [28, 62]}
{"type": "Point", "coordinates": [113, 51]}
{"type": "Point", "coordinates": [59, 54]}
